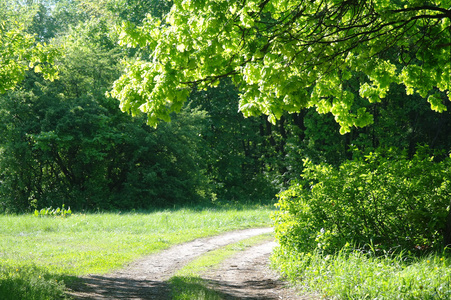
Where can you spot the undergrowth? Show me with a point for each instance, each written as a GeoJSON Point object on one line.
{"type": "Point", "coordinates": [358, 275]}
{"type": "Point", "coordinates": [385, 202]}
{"type": "Point", "coordinates": [30, 282]}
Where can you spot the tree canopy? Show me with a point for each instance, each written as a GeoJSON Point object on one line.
{"type": "Point", "coordinates": [19, 50]}
{"type": "Point", "coordinates": [286, 55]}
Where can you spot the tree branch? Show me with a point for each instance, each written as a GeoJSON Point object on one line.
{"type": "Point", "coordinates": [445, 11]}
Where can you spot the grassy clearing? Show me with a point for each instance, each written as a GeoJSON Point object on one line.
{"type": "Point", "coordinates": [39, 255]}
{"type": "Point", "coordinates": [187, 284]}
{"type": "Point", "coordinates": [354, 275]}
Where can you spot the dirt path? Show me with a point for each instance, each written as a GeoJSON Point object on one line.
{"type": "Point", "coordinates": [245, 278]}
{"type": "Point", "coordinates": [248, 276]}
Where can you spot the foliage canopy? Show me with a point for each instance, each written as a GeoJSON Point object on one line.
{"type": "Point", "coordinates": [19, 50]}
{"type": "Point", "coordinates": [286, 55]}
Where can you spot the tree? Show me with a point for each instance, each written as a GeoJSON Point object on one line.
{"type": "Point", "coordinates": [288, 55]}
{"type": "Point", "coordinates": [64, 142]}
{"type": "Point", "coordinates": [236, 149]}
{"type": "Point", "coordinates": [19, 50]}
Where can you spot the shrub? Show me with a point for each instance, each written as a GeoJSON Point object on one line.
{"type": "Point", "coordinates": [383, 200]}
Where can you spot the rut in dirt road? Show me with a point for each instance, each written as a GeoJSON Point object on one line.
{"type": "Point", "coordinates": [146, 278]}
{"type": "Point", "coordinates": [248, 276]}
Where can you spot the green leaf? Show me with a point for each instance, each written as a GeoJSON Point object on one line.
{"type": "Point", "coordinates": [436, 102]}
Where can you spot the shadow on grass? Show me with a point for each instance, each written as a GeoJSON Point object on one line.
{"type": "Point", "coordinates": [197, 288]}
{"type": "Point", "coordinates": [30, 283]}
{"type": "Point", "coordinates": [196, 207]}
{"type": "Point", "coordinates": [107, 287]}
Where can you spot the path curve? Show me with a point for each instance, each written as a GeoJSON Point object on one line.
{"type": "Point", "coordinates": [146, 278]}
{"type": "Point", "coordinates": [248, 276]}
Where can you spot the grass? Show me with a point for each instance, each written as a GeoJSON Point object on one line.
{"type": "Point", "coordinates": [354, 275]}
{"type": "Point", "coordinates": [38, 256]}
{"type": "Point", "coordinates": [187, 283]}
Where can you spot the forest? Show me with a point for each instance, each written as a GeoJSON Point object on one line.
{"type": "Point", "coordinates": [337, 112]}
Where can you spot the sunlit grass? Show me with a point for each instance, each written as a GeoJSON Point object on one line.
{"type": "Point", "coordinates": [60, 248]}
{"type": "Point", "coordinates": [354, 275]}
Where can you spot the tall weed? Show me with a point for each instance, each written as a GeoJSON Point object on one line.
{"type": "Point", "coordinates": [357, 275]}
{"type": "Point", "coordinates": [29, 282]}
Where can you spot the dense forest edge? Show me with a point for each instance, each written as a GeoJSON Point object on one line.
{"type": "Point", "coordinates": [336, 112]}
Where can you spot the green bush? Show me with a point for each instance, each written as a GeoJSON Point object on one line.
{"type": "Point", "coordinates": [383, 200]}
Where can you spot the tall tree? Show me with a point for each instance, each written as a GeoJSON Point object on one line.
{"type": "Point", "coordinates": [19, 50]}
{"type": "Point", "coordinates": [65, 142]}
{"type": "Point", "coordinates": [288, 55]}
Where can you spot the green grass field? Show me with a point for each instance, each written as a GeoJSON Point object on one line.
{"type": "Point", "coordinates": [39, 255]}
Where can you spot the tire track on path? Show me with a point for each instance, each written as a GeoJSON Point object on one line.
{"type": "Point", "coordinates": [146, 278]}
{"type": "Point", "coordinates": [247, 275]}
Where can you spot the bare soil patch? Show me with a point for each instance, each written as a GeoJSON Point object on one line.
{"type": "Point", "coordinates": [244, 277]}
{"type": "Point", "coordinates": [248, 276]}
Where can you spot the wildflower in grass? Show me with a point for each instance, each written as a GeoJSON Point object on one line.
{"type": "Point", "coordinates": [428, 261]}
